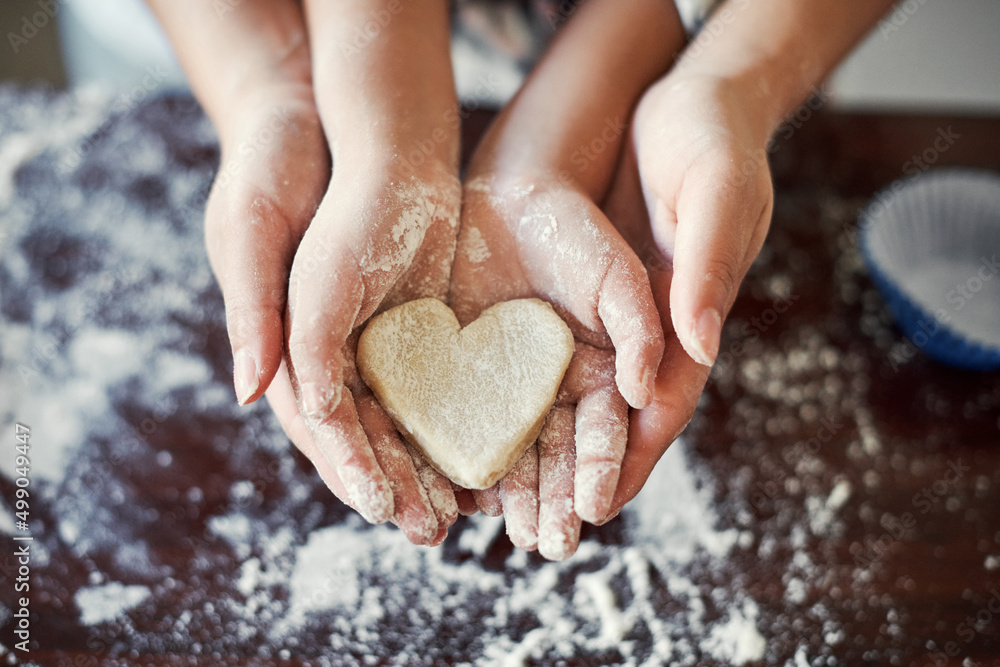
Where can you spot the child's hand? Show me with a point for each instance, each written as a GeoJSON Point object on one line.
{"type": "Point", "coordinates": [373, 243]}
{"type": "Point", "coordinates": [525, 238]}
{"type": "Point", "coordinates": [305, 250]}
{"type": "Point", "coordinates": [696, 158]}
{"type": "Point", "coordinates": [531, 227]}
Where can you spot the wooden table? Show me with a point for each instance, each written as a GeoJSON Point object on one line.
{"type": "Point", "coordinates": [863, 480]}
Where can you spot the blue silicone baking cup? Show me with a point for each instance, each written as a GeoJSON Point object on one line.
{"type": "Point", "coordinates": [931, 244]}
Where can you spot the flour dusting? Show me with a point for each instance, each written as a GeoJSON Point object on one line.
{"type": "Point", "coordinates": [101, 604]}
{"type": "Point", "coordinates": [169, 521]}
{"type": "Point", "coordinates": [475, 247]}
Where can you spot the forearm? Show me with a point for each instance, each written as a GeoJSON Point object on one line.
{"type": "Point", "coordinates": [384, 81]}
{"type": "Point", "coordinates": [575, 105]}
{"type": "Point", "coordinates": [253, 54]}
{"type": "Point", "coordinates": [776, 51]}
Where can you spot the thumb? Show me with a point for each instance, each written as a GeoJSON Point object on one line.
{"type": "Point", "coordinates": [260, 206]}
{"type": "Point", "coordinates": [721, 225]}
{"type": "Point", "coordinates": [250, 251]}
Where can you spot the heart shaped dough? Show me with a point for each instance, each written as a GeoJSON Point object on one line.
{"type": "Point", "coordinates": [473, 399]}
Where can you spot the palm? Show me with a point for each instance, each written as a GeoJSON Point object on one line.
{"type": "Point", "coordinates": [554, 244]}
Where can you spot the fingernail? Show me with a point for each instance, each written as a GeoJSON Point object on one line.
{"type": "Point", "coordinates": [705, 337]}
{"type": "Point", "coordinates": [609, 517]}
{"type": "Point", "coordinates": [245, 375]}
{"type": "Point", "coordinates": [439, 538]}
{"type": "Point", "coordinates": [314, 400]}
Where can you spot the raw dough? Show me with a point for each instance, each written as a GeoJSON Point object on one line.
{"type": "Point", "coordinates": [473, 399]}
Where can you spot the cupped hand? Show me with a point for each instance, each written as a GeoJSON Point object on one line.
{"type": "Point", "coordinates": [271, 241]}
{"type": "Point", "coordinates": [693, 198]}
{"type": "Point", "coordinates": [539, 237]}
{"type": "Point", "coordinates": [305, 253]}
{"type": "Point", "coordinates": [532, 227]}
{"type": "Point", "coordinates": [373, 243]}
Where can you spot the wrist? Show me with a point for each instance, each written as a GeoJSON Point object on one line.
{"type": "Point", "coordinates": [384, 83]}
{"type": "Point", "coordinates": [777, 51]}
{"type": "Point", "coordinates": [397, 143]}
{"type": "Point", "coordinates": [266, 109]}
{"type": "Point", "coordinates": [744, 97]}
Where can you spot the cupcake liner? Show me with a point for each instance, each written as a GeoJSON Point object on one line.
{"type": "Point", "coordinates": [932, 246]}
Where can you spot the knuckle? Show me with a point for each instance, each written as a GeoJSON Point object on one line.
{"type": "Point", "coordinates": [723, 273]}
{"type": "Point", "coordinates": [245, 209]}
{"type": "Point", "coordinates": [249, 311]}
{"type": "Point", "coordinates": [300, 350]}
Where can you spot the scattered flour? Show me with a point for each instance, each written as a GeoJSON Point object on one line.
{"type": "Point", "coordinates": [6, 519]}
{"type": "Point", "coordinates": [105, 352]}
{"type": "Point", "coordinates": [474, 246]}
{"type": "Point", "coordinates": [100, 604]}
{"type": "Point", "coordinates": [737, 641]}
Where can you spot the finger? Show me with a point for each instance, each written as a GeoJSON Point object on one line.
{"type": "Point", "coordinates": [651, 431]}
{"type": "Point", "coordinates": [319, 323]}
{"type": "Point", "coordinates": [251, 265]}
{"type": "Point", "coordinates": [628, 312]}
{"type": "Point", "coordinates": [601, 434]}
{"type": "Point", "coordinates": [614, 295]}
{"type": "Point", "coordinates": [281, 398]}
{"type": "Point", "coordinates": [488, 500]}
{"type": "Point", "coordinates": [439, 490]}
{"type": "Point", "coordinates": [680, 382]}
{"type": "Point", "coordinates": [720, 226]}
{"type": "Point", "coordinates": [590, 369]}
{"type": "Point", "coordinates": [558, 524]}
{"type": "Point", "coordinates": [413, 513]}
{"type": "Point", "coordinates": [343, 443]}
{"type": "Point", "coordinates": [519, 494]}
{"type": "Point", "coordinates": [466, 501]}
{"type": "Point", "coordinates": [252, 227]}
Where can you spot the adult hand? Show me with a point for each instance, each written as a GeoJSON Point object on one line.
{"type": "Point", "coordinates": [697, 158]}
{"type": "Point", "coordinates": [693, 197]}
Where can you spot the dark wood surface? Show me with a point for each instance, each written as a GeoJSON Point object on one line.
{"type": "Point", "coordinates": [804, 401]}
